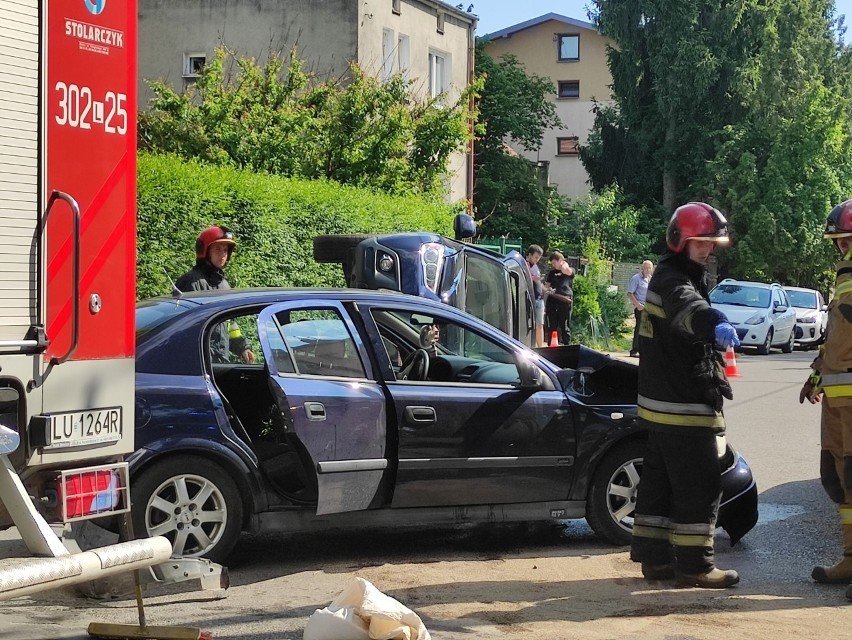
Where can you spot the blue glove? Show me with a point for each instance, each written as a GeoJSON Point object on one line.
{"type": "Point", "coordinates": [726, 336]}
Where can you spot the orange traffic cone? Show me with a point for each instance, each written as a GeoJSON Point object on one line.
{"type": "Point", "coordinates": [554, 341]}
{"type": "Point", "coordinates": [731, 364]}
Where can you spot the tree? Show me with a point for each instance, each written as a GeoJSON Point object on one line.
{"type": "Point", "coordinates": [675, 68]}
{"type": "Point", "coordinates": [782, 167]}
{"type": "Point", "coordinates": [744, 104]}
{"type": "Point", "coordinates": [278, 120]}
{"type": "Point", "coordinates": [510, 195]}
{"type": "Point", "coordinates": [610, 222]}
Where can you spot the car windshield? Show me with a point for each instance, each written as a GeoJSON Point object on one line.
{"type": "Point", "coordinates": [740, 295]}
{"type": "Point", "coordinates": [150, 314]}
{"type": "Point", "coordinates": [802, 299]}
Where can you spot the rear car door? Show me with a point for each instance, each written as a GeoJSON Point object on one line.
{"type": "Point", "coordinates": [466, 432]}
{"type": "Point", "coordinates": [785, 321]}
{"type": "Point", "coordinates": [327, 398]}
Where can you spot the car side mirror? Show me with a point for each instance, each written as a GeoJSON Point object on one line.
{"type": "Point", "coordinates": [464, 226]}
{"type": "Point", "coordinates": [530, 376]}
{"type": "Point", "coordinates": [780, 308]}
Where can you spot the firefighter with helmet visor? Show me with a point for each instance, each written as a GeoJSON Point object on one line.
{"type": "Point", "coordinates": [831, 384]}
{"type": "Point", "coordinates": [213, 249]}
{"type": "Point", "coordinates": [682, 386]}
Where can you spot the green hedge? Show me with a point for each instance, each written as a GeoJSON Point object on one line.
{"type": "Point", "coordinates": [274, 219]}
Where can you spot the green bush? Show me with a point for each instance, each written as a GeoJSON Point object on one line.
{"type": "Point", "coordinates": [274, 219]}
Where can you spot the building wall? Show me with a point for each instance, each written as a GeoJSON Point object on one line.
{"type": "Point", "coordinates": [418, 23]}
{"type": "Point", "coordinates": [327, 34]}
{"type": "Point", "coordinates": [536, 48]}
{"type": "Point", "coordinates": [324, 31]}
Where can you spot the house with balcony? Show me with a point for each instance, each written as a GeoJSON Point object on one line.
{"type": "Point", "coordinates": [429, 41]}
{"type": "Point", "coordinates": [572, 53]}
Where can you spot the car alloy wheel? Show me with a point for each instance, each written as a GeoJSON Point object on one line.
{"type": "Point", "coordinates": [193, 503]}
{"type": "Point", "coordinates": [767, 344]}
{"type": "Point", "coordinates": [612, 496]}
{"type": "Point", "coordinates": [787, 347]}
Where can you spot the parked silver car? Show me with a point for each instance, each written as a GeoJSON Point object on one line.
{"type": "Point", "coordinates": [811, 316]}
{"type": "Point", "coordinates": [761, 313]}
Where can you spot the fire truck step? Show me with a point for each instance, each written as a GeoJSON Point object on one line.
{"type": "Point", "coordinates": [31, 574]}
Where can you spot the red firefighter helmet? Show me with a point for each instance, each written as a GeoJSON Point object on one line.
{"type": "Point", "coordinates": [696, 221]}
{"type": "Point", "coordinates": [214, 235]}
{"type": "Point", "coordinates": [839, 223]}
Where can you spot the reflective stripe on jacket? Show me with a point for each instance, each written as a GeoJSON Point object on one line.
{"type": "Point", "coordinates": [675, 327]}
{"type": "Point", "coordinates": [835, 363]}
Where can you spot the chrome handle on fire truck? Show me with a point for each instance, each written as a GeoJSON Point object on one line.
{"type": "Point", "coordinates": [75, 270]}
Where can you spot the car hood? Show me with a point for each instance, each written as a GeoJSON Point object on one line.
{"type": "Point", "coordinates": [807, 313]}
{"type": "Point", "coordinates": [737, 314]}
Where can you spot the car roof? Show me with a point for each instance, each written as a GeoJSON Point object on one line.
{"type": "Point", "coordinates": [800, 289]}
{"type": "Point", "coordinates": [761, 285]}
{"type": "Point", "coordinates": [269, 294]}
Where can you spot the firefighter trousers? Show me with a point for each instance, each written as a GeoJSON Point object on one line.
{"type": "Point", "coordinates": [678, 500]}
{"type": "Point", "coordinates": [836, 457]}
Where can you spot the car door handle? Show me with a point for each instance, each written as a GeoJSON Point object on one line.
{"type": "Point", "coordinates": [315, 410]}
{"type": "Point", "coordinates": [421, 415]}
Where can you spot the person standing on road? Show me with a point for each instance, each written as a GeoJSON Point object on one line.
{"type": "Point", "coordinates": [637, 289]}
{"type": "Point", "coordinates": [534, 253]}
{"type": "Point", "coordinates": [559, 288]}
{"type": "Point", "coordinates": [831, 379]}
{"type": "Point", "coordinates": [681, 388]}
{"type": "Point", "coordinates": [213, 249]}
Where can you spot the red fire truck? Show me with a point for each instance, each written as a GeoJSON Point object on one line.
{"type": "Point", "coordinates": [67, 282]}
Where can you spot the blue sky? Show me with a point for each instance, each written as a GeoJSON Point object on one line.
{"type": "Point", "coordinates": [499, 14]}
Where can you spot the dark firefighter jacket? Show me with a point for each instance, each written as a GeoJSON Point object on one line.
{"type": "Point", "coordinates": [681, 377]}
{"type": "Point", "coordinates": [226, 336]}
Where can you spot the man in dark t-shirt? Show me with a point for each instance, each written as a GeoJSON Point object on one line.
{"type": "Point", "coordinates": [560, 297]}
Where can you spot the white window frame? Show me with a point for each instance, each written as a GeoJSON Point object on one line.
{"type": "Point", "coordinates": [403, 55]}
{"type": "Point", "coordinates": [189, 60]}
{"type": "Point", "coordinates": [441, 23]}
{"type": "Point", "coordinates": [396, 6]}
{"type": "Point", "coordinates": [440, 67]}
{"type": "Point", "coordinates": [389, 54]}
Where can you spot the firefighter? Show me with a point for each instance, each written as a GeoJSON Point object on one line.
{"type": "Point", "coordinates": [681, 388]}
{"type": "Point", "coordinates": [831, 381]}
{"type": "Point", "coordinates": [213, 249]}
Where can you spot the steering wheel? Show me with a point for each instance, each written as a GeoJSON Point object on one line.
{"type": "Point", "coordinates": [415, 366]}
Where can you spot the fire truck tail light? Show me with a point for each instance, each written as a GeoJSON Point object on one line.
{"type": "Point", "coordinates": [93, 491]}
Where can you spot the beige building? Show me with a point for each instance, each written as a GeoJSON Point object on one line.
{"type": "Point", "coordinates": [572, 53]}
{"type": "Point", "coordinates": [430, 41]}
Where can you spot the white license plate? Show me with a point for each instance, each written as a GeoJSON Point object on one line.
{"type": "Point", "coordinates": [80, 428]}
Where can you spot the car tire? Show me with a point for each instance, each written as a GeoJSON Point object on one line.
{"type": "Point", "coordinates": [207, 530]}
{"type": "Point", "coordinates": [763, 349]}
{"type": "Point", "coordinates": [612, 495]}
{"type": "Point", "coordinates": [787, 347]}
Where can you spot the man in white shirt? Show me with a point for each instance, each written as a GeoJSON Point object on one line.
{"type": "Point", "coordinates": [637, 290]}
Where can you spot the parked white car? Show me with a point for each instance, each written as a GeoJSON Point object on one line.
{"type": "Point", "coordinates": [811, 315]}
{"type": "Point", "coordinates": [761, 313]}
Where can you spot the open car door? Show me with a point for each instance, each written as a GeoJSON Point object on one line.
{"type": "Point", "coordinates": [320, 380]}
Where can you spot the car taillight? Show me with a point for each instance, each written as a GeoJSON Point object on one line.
{"type": "Point", "coordinates": [93, 491]}
{"type": "Point", "coordinates": [432, 259]}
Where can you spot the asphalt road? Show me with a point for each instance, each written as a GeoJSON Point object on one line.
{"type": "Point", "coordinates": [541, 581]}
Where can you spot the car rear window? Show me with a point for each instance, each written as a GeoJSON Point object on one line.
{"type": "Point", "coordinates": [741, 295]}
{"type": "Point", "coordinates": [802, 299]}
{"type": "Point", "coordinates": [150, 314]}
